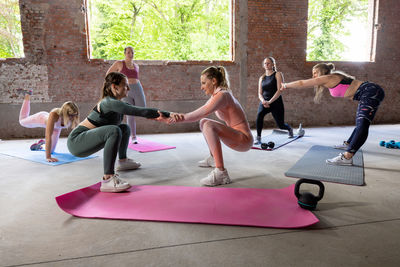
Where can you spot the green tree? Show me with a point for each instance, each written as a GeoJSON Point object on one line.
{"type": "Point", "coordinates": [161, 29]}
{"type": "Point", "coordinates": [326, 26]}
{"type": "Point", "coordinates": [10, 30]}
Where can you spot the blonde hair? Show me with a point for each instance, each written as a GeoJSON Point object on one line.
{"type": "Point", "coordinates": [325, 69]}
{"type": "Point", "coordinates": [219, 73]}
{"type": "Point", "coordinates": [67, 110]}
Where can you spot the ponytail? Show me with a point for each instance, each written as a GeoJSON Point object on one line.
{"type": "Point", "coordinates": [219, 73]}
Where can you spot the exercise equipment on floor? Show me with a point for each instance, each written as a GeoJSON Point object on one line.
{"type": "Point", "coordinates": [390, 144]}
{"type": "Point", "coordinates": [267, 145]}
{"type": "Point", "coordinates": [313, 166]}
{"type": "Point", "coordinates": [260, 207]}
{"type": "Point", "coordinates": [308, 200]}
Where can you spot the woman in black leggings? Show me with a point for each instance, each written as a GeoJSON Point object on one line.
{"type": "Point", "coordinates": [103, 129]}
{"type": "Point", "coordinates": [271, 99]}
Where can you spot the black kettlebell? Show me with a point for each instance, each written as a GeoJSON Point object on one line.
{"type": "Point", "coordinates": [307, 200]}
{"type": "Point", "coordinates": [267, 145]}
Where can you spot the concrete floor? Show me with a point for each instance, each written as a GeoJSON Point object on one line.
{"type": "Point", "coordinates": [359, 225]}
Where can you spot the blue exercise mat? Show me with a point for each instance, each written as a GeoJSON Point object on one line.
{"type": "Point", "coordinates": [280, 138]}
{"type": "Point", "coordinates": [40, 156]}
{"type": "Point", "coordinates": [313, 166]}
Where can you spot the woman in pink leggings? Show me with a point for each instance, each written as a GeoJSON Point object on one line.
{"type": "Point", "coordinates": [235, 133]}
{"type": "Point", "coordinates": [53, 122]}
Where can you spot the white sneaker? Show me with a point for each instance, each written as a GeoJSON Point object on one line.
{"type": "Point", "coordinates": [114, 184]}
{"type": "Point", "coordinates": [216, 177]}
{"type": "Point", "coordinates": [134, 140]}
{"type": "Point", "coordinates": [300, 131]}
{"type": "Point", "coordinates": [258, 140]}
{"type": "Point", "coordinates": [128, 164]}
{"type": "Point", "coordinates": [341, 146]}
{"type": "Point", "coordinates": [207, 162]}
{"type": "Point", "coordinates": [340, 160]}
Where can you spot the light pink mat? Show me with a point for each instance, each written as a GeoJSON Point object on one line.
{"type": "Point", "coordinates": [276, 208]}
{"type": "Point", "coordinates": [148, 146]}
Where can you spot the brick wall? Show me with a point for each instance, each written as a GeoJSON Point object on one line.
{"type": "Point", "coordinates": [57, 68]}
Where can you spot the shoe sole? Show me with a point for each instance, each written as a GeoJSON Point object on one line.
{"type": "Point", "coordinates": [208, 166]}
{"type": "Point", "coordinates": [115, 190]}
{"type": "Point", "coordinates": [127, 169]}
{"type": "Point", "coordinates": [223, 182]}
{"type": "Point", "coordinates": [341, 164]}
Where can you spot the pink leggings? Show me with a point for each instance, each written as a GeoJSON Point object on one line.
{"type": "Point", "coordinates": [214, 132]}
{"type": "Point", "coordinates": [37, 120]}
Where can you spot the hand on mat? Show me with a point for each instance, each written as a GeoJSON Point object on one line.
{"type": "Point", "coordinates": [51, 159]}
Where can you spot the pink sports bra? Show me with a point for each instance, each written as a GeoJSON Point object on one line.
{"type": "Point", "coordinates": [130, 73]}
{"type": "Point", "coordinates": [340, 89]}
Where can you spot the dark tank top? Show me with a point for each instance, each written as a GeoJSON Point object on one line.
{"type": "Point", "coordinates": [269, 86]}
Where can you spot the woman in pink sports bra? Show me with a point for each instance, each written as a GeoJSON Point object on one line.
{"type": "Point", "coordinates": [369, 96]}
{"type": "Point", "coordinates": [135, 95]}
{"type": "Point", "coordinates": [235, 133]}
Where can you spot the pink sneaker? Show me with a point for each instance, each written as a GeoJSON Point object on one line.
{"type": "Point", "coordinates": [38, 145]}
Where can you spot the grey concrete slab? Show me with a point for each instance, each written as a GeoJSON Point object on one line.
{"type": "Point", "coordinates": [359, 225]}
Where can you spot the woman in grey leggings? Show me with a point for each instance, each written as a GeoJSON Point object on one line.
{"type": "Point", "coordinates": [103, 129]}
{"type": "Point", "coordinates": [135, 95]}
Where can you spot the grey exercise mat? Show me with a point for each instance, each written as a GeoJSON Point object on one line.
{"type": "Point", "coordinates": [279, 137]}
{"type": "Point", "coordinates": [313, 166]}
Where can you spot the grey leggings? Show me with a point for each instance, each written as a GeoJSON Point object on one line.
{"type": "Point", "coordinates": [83, 142]}
{"type": "Point", "coordinates": [135, 97]}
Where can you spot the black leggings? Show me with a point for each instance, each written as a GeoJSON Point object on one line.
{"type": "Point", "coordinates": [370, 96]}
{"type": "Point", "coordinates": [83, 142]}
{"type": "Point", "coordinates": [278, 112]}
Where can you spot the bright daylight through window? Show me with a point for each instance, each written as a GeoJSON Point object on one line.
{"type": "Point", "coordinates": [340, 30]}
{"type": "Point", "coordinates": [11, 45]}
{"type": "Point", "coordinates": [161, 29]}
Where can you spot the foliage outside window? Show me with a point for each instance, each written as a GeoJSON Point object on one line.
{"type": "Point", "coordinates": [338, 30]}
{"type": "Point", "coordinates": [11, 45]}
{"type": "Point", "coordinates": [161, 29]}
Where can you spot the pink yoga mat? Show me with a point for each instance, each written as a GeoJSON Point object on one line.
{"type": "Point", "coordinates": [276, 208]}
{"type": "Point", "coordinates": [148, 146]}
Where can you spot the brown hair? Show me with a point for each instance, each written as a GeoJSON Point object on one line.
{"type": "Point", "coordinates": [325, 69]}
{"type": "Point", "coordinates": [128, 47]}
{"type": "Point", "coordinates": [219, 73]}
{"type": "Point", "coordinates": [111, 78]}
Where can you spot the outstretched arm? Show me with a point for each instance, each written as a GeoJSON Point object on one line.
{"type": "Point", "coordinates": [213, 104]}
{"type": "Point", "coordinates": [322, 80]}
{"type": "Point", "coordinates": [110, 104]}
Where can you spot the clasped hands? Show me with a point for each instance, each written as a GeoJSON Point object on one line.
{"type": "Point", "coordinates": [173, 117]}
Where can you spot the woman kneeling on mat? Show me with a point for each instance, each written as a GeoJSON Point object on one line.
{"type": "Point", "coordinates": [53, 122]}
{"type": "Point", "coordinates": [340, 84]}
{"type": "Point", "coordinates": [103, 129]}
{"type": "Point", "coordinates": [235, 134]}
